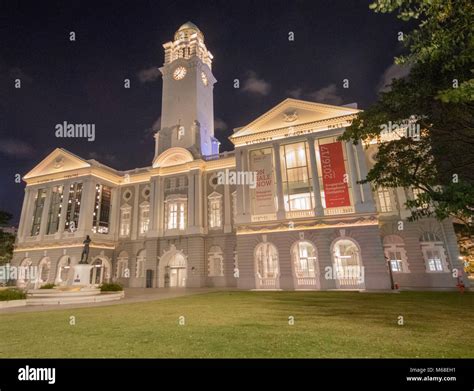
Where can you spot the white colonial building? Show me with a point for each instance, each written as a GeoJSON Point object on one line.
{"type": "Point", "coordinates": [282, 211]}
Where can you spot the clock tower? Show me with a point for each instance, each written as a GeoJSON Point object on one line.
{"type": "Point", "coordinates": [187, 112]}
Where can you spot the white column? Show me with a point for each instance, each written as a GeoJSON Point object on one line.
{"type": "Point", "coordinates": [353, 175]}
{"type": "Point", "coordinates": [136, 212]}
{"type": "Point", "coordinates": [87, 207]}
{"type": "Point", "coordinates": [198, 197]}
{"type": "Point", "coordinates": [247, 211]}
{"type": "Point", "coordinates": [114, 212]}
{"type": "Point", "coordinates": [239, 157]}
{"type": "Point", "coordinates": [191, 195]}
{"type": "Point", "coordinates": [159, 214]}
{"type": "Point", "coordinates": [366, 190]}
{"type": "Point", "coordinates": [44, 215]}
{"type": "Point", "coordinates": [24, 213]}
{"type": "Point", "coordinates": [402, 199]}
{"type": "Point", "coordinates": [318, 207]}
{"type": "Point", "coordinates": [227, 209]}
{"type": "Point", "coordinates": [278, 181]}
{"type": "Point", "coordinates": [62, 218]}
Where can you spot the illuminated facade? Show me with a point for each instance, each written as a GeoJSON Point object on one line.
{"type": "Point", "coordinates": [282, 211]}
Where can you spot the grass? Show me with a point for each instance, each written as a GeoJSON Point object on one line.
{"type": "Point", "coordinates": [252, 324]}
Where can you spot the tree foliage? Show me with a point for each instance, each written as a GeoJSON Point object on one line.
{"type": "Point", "coordinates": [437, 98]}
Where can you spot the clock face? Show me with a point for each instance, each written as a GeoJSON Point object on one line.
{"type": "Point", "coordinates": [179, 73]}
{"type": "Point", "coordinates": [204, 78]}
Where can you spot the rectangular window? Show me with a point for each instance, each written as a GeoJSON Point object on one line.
{"type": "Point", "coordinates": [73, 206]}
{"type": "Point", "coordinates": [101, 213]}
{"type": "Point", "coordinates": [384, 199]}
{"type": "Point", "coordinates": [396, 261]}
{"type": "Point", "coordinates": [54, 213]}
{"type": "Point", "coordinates": [176, 215]}
{"type": "Point", "coordinates": [296, 176]}
{"type": "Point", "coordinates": [144, 218]}
{"type": "Point", "coordinates": [434, 261]}
{"type": "Point", "coordinates": [215, 206]}
{"type": "Point", "coordinates": [38, 211]}
{"type": "Point", "coordinates": [125, 215]}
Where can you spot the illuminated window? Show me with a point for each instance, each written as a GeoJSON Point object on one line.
{"type": "Point", "coordinates": [144, 218]}
{"type": "Point", "coordinates": [101, 214]}
{"type": "Point", "coordinates": [433, 253]}
{"type": "Point", "coordinates": [54, 213]}
{"type": "Point", "coordinates": [384, 199]}
{"type": "Point", "coordinates": [64, 266]}
{"type": "Point", "coordinates": [125, 218]}
{"type": "Point", "coordinates": [176, 213]}
{"type": "Point", "coordinates": [347, 268]}
{"type": "Point", "coordinates": [215, 210]}
{"type": "Point", "coordinates": [304, 259]}
{"type": "Point", "coordinates": [73, 206]}
{"type": "Point", "coordinates": [296, 176]}
{"type": "Point", "coordinates": [38, 211]}
{"type": "Point", "coordinates": [394, 250]}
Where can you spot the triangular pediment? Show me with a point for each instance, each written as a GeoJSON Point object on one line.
{"type": "Point", "coordinates": [293, 112]}
{"type": "Point", "coordinates": [59, 160]}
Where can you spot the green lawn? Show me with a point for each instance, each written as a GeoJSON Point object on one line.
{"type": "Point", "coordinates": [252, 324]}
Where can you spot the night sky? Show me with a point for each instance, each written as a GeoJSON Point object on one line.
{"type": "Point", "coordinates": [83, 81]}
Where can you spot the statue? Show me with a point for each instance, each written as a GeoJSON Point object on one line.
{"type": "Point", "coordinates": [85, 250]}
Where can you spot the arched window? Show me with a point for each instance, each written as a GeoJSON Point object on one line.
{"type": "Point", "coordinates": [64, 266]}
{"type": "Point", "coordinates": [266, 262]}
{"type": "Point", "coordinates": [347, 267]}
{"type": "Point", "coordinates": [44, 269]}
{"type": "Point", "coordinates": [25, 273]}
{"type": "Point", "coordinates": [100, 271]}
{"type": "Point", "coordinates": [433, 253]}
{"type": "Point", "coordinates": [394, 250]}
{"type": "Point", "coordinates": [304, 259]}
{"type": "Point", "coordinates": [215, 262]}
{"type": "Point", "coordinates": [122, 266]}
{"type": "Point", "coordinates": [140, 267]}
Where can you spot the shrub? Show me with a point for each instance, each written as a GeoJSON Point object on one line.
{"type": "Point", "coordinates": [47, 286]}
{"type": "Point", "coordinates": [12, 294]}
{"type": "Point", "coordinates": [106, 287]}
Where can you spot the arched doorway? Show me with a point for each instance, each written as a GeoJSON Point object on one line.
{"type": "Point", "coordinates": [173, 269]}
{"type": "Point", "coordinates": [266, 266]}
{"type": "Point", "coordinates": [100, 271]}
{"type": "Point", "coordinates": [44, 269]}
{"type": "Point", "coordinates": [347, 266]}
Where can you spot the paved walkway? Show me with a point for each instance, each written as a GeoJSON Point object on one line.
{"type": "Point", "coordinates": [132, 295]}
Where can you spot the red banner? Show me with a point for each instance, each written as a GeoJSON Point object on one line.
{"type": "Point", "coordinates": [334, 175]}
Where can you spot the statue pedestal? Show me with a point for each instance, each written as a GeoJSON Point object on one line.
{"type": "Point", "coordinates": [82, 274]}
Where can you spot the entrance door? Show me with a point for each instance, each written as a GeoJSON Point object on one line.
{"type": "Point", "coordinates": [177, 277]}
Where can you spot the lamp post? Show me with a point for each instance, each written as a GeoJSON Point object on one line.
{"type": "Point", "coordinates": [391, 274]}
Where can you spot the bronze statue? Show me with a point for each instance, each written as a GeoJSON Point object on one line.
{"type": "Point", "coordinates": [85, 250]}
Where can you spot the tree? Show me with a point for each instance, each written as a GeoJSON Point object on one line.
{"type": "Point", "coordinates": [7, 240]}
{"type": "Point", "coordinates": [435, 104]}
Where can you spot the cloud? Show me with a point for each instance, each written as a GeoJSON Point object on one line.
{"type": "Point", "coordinates": [254, 85]}
{"type": "Point", "coordinates": [296, 93]}
{"type": "Point", "coordinates": [148, 75]}
{"type": "Point", "coordinates": [219, 124]}
{"type": "Point", "coordinates": [394, 71]}
{"type": "Point", "coordinates": [15, 148]}
{"type": "Point", "coordinates": [326, 95]}
{"type": "Point", "coordinates": [107, 158]}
